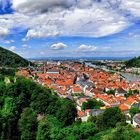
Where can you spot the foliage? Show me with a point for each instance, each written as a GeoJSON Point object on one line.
{"type": "Point", "coordinates": [120, 132]}
{"type": "Point", "coordinates": [131, 92]}
{"type": "Point", "coordinates": [7, 72]}
{"type": "Point", "coordinates": [10, 59]}
{"type": "Point", "coordinates": [92, 104]}
{"type": "Point", "coordinates": [110, 118]}
{"type": "Point", "coordinates": [7, 106]}
{"type": "Point", "coordinates": [46, 126]}
{"type": "Point", "coordinates": [135, 62]}
{"type": "Point", "coordinates": [66, 113]}
{"type": "Point", "coordinates": [92, 119]}
{"type": "Point", "coordinates": [75, 132]}
{"type": "Point", "coordinates": [28, 124]}
{"type": "Point", "coordinates": [20, 103]}
{"type": "Point", "coordinates": [111, 91]}
{"type": "Point", "coordinates": [133, 111]}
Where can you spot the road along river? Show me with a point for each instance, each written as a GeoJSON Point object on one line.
{"type": "Point", "coordinates": [129, 76]}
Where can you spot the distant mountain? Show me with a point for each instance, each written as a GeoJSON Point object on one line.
{"type": "Point", "coordinates": [79, 58]}
{"type": "Point", "coordinates": [134, 62]}
{"type": "Point", "coordinates": [10, 59]}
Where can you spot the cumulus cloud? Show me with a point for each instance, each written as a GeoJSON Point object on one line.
{"type": "Point", "coordinates": [86, 48]}
{"type": "Point", "coordinates": [8, 41]}
{"type": "Point", "coordinates": [84, 3]}
{"type": "Point", "coordinates": [4, 31]}
{"type": "Point", "coordinates": [78, 22]}
{"type": "Point", "coordinates": [90, 18]}
{"type": "Point", "coordinates": [58, 46]}
{"type": "Point", "coordinates": [78, 18]}
{"type": "Point", "coordinates": [12, 48]}
{"type": "Point", "coordinates": [42, 32]}
{"type": "Point", "coordinates": [41, 6]}
{"type": "Point", "coordinates": [132, 7]}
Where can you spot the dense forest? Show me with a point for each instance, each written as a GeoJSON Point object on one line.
{"type": "Point", "coordinates": [135, 62]}
{"type": "Point", "coordinates": [10, 59]}
{"type": "Point", "coordinates": [29, 111]}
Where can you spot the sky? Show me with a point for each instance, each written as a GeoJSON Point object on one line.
{"type": "Point", "coordinates": [70, 28]}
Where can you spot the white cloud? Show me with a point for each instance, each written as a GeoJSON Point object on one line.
{"type": "Point", "coordinates": [131, 6]}
{"type": "Point", "coordinates": [58, 46]}
{"type": "Point", "coordinates": [8, 41]}
{"type": "Point", "coordinates": [4, 31]}
{"type": "Point", "coordinates": [41, 6]}
{"type": "Point", "coordinates": [84, 3]}
{"type": "Point", "coordinates": [86, 48]}
{"type": "Point", "coordinates": [25, 46]}
{"type": "Point", "coordinates": [91, 18]}
{"type": "Point", "coordinates": [24, 39]}
{"type": "Point", "coordinates": [42, 32]}
{"type": "Point", "coordinates": [12, 48]}
{"type": "Point", "coordinates": [82, 19]}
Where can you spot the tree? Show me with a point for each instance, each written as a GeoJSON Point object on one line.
{"type": "Point", "coordinates": [111, 92]}
{"type": "Point", "coordinates": [92, 104]}
{"type": "Point", "coordinates": [133, 111]}
{"type": "Point", "coordinates": [135, 91]}
{"type": "Point", "coordinates": [11, 59]}
{"type": "Point", "coordinates": [45, 127]}
{"type": "Point", "coordinates": [100, 122]}
{"type": "Point", "coordinates": [41, 103]}
{"type": "Point", "coordinates": [110, 117]}
{"type": "Point", "coordinates": [78, 121]}
{"type": "Point", "coordinates": [28, 124]}
{"type": "Point", "coordinates": [67, 112]}
{"type": "Point", "coordinates": [84, 106]}
{"type": "Point", "coordinates": [121, 132]}
{"type": "Point", "coordinates": [92, 119]}
{"type": "Point", "coordinates": [75, 132]}
{"type": "Point", "coordinates": [135, 62]}
{"type": "Point", "coordinates": [113, 115]}
{"type": "Point", "coordinates": [43, 131]}
{"type": "Point", "coordinates": [130, 93]}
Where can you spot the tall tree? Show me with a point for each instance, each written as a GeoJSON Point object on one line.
{"type": "Point", "coordinates": [110, 118]}
{"type": "Point", "coordinates": [28, 124]}
{"type": "Point", "coordinates": [66, 112]}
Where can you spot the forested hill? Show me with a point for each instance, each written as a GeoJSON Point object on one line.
{"type": "Point", "coordinates": [10, 59]}
{"type": "Point", "coordinates": [135, 62]}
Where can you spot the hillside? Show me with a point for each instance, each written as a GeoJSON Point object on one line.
{"type": "Point", "coordinates": [10, 59]}
{"type": "Point", "coordinates": [135, 62]}
{"type": "Point", "coordinates": [29, 111]}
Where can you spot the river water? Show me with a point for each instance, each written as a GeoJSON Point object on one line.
{"type": "Point", "coordinates": [129, 76]}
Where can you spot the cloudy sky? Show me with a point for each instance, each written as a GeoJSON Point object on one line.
{"type": "Point", "coordinates": [71, 28]}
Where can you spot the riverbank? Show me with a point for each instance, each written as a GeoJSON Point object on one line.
{"type": "Point", "coordinates": [129, 76]}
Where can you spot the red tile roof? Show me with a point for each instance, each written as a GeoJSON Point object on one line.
{"type": "Point", "coordinates": [123, 107]}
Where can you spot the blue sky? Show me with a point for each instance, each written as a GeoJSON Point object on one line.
{"type": "Point", "coordinates": [71, 28]}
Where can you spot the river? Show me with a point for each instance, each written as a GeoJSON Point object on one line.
{"type": "Point", "coordinates": [129, 76]}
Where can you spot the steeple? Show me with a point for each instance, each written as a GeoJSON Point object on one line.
{"type": "Point", "coordinates": [44, 68]}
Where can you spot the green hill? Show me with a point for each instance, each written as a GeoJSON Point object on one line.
{"type": "Point", "coordinates": [135, 62]}
{"type": "Point", "coordinates": [10, 59]}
